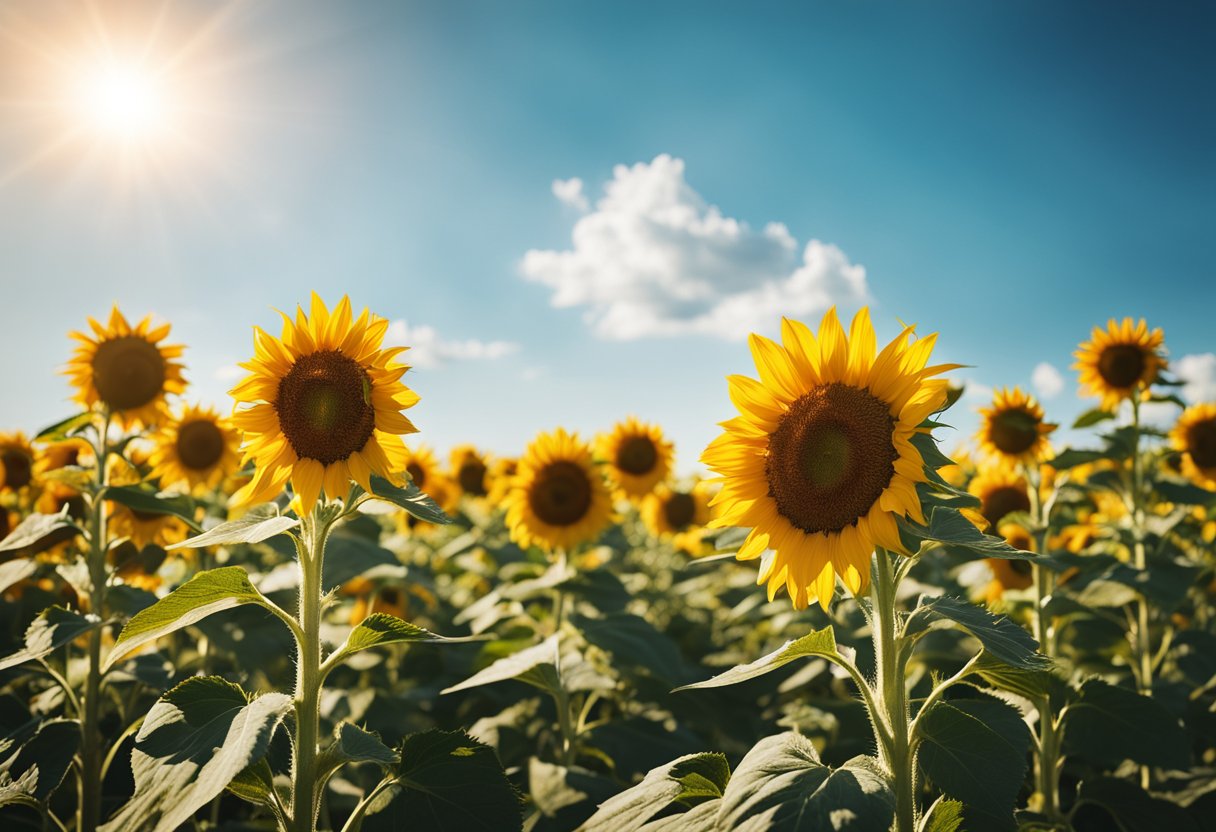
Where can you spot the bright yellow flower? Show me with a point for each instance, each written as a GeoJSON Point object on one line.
{"type": "Point", "coordinates": [16, 461]}
{"type": "Point", "coordinates": [637, 457]}
{"type": "Point", "coordinates": [1001, 491]}
{"type": "Point", "coordinates": [469, 470]}
{"type": "Point", "coordinates": [144, 528]}
{"type": "Point", "coordinates": [1012, 430]}
{"type": "Point", "coordinates": [125, 369]}
{"type": "Point", "coordinates": [679, 515]}
{"type": "Point", "coordinates": [1195, 438]}
{"type": "Point", "coordinates": [198, 448]}
{"type": "Point", "coordinates": [558, 498]}
{"type": "Point", "coordinates": [324, 406]}
{"type": "Point", "coordinates": [820, 461]}
{"type": "Point", "coordinates": [1120, 361]}
{"type": "Point", "coordinates": [502, 472]}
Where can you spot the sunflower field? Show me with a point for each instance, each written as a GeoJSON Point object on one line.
{"type": "Point", "coordinates": [295, 615]}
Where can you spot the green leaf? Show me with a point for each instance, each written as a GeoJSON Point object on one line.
{"type": "Point", "coordinates": [195, 740]}
{"type": "Point", "coordinates": [15, 571]}
{"type": "Point", "coordinates": [1131, 809]}
{"type": "Point", "coordinates": [818, 643]}
{"type": "Point", "coordinates": [1031, 684]}
{"type": "Point", "coordinates": [930, 453]}
{"type": "Point", "coordinates": [147, 501]}
{"type": "Point", "coordinates": [945, 815]}
{"type": "Point", "coordinates": [348, 556]}
{"type": "Point", "coordinates": [206, 593]}
{"type": "Point", "coordinates": [949, 527]}
{"type": "Point", "coordinates": [48, 755]}
{"type": "Point", "coordinates": [454, 783]}
{"type": "Point", "coordinates": [20, 792]}
{"type": "Point", "coordinates": [1109, 724]}
{"type": "Point", "coordinates": [38, 532]}
{"type": "Point", "coordinates": [64, 428]}
{"type": "Point", "coordinates": [354, 745]}
{"type": "Point", "coordinates": [380, 628]}
{"type": "Point", "coordinates": [1090, 418]}
{"type": "Point", "coordinates": [660, 788]}
{"type": "Point", "coordinates": [782, 785]}
{"type": "Point", "coordinates": [975, 751]}
{"type": "Point", "coordinates": [409, 498]}
{"type": "Point", "coordinates": [570, 794]}
{"type": "Point", "coordinates": [255, 784]}
{"type": "Point", "coordinates": [1072, 457]}
{"type": "Point", "coordinates": [258, 524]}
{"type": "Point", "coordinates": [53, 628]}
{"type": "Point", "coordinates": [1002, 638]}
{"type": "Point", "coordinates": [1183, 493]}
{"type": "Point", "coordinates": [634, 641]}
{"type": "Point", "coordinates": [537, 666]}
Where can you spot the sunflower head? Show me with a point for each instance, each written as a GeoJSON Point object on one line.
{"type": "Point", "coordinates": [1012, 430]}
{"type": "Point", "coordinates": [423, 468]}
{"type": "Point", "coordinates": [502, 472]}
{"type": "Point", "coordinates": [1194, 436]}
{"type": "Point", "coordinates": [126, 369]}
{"type": "Point", "coordinates": [198, 448]}
{"type": "Point", "coordinates": [65, 453]}
{"type": "Point", "coordinates": [17, 460]}
{"type": "Point", "coordinates": [558, 498]}
{"type": "Point", "coordinates": [678, 514]}
{"type": "Point", "coordinates": [1002, 491]}
{"type": "Point", "coordinates": [820, 461]}
{"type": "Point", "coordinates": [637, 457]}
{"type": "Point", "coordinates": [469, 470]}
{"type": "Point", "coordinates": [1120, 361]}
{"type": "Point", "coordinates": [322, 405]}
{"type": "Point", "coordinates": [146, 529]}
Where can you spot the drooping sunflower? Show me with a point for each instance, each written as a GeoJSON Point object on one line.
{"type": "Point", "coordinates": [638, 457]}
{"type": "Point", "coordinates": [126, 369]}
{"type": "Point", "coordinates": [819, 462]}
{"type": "Point", "coordinates": [324, 404]}
{"type": "Point", "coordinates": [16, 461]}
{"type": "Point", "coordinates": [558, 497]}
{"type": "Point", "coordinates": [1120, 361]}
{"type": "Point", "coordinates": [1194, 436]}
{"type": "Point", "coordinates": [1012, 430]}
{"type": "Point", "coordinates": [678, 514]}
{"type": "Point", "coordinates": [1001, 490]}
{"type": "Point", "coordinates": [198, 448]}
{"type": "Point", "coordinates": [469, 470]}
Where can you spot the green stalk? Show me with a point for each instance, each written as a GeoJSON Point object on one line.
{"type": "Point", "coordinates": [311, 555]}
{"type": "Point", "coordinates": [561, 699]}
{"type": "Point", "coordinates": [1046, 761]}
{"type": "Point", "coordinates": [91, 751]}
{"type": "Point", "coordinates": [1142, 644]}
{"type": "Point", "coordinates": [896, 750]}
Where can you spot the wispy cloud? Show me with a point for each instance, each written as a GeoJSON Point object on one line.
{"type": "Point", "coordinates": [654, 258]}
{"type": "Point", "coordinates": [428, 349]}
{"type": "Point", "coordinates": [1047, 380]}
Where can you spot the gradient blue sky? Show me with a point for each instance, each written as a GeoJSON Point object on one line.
{"type": "Point", "coordinates": [1007, 174]}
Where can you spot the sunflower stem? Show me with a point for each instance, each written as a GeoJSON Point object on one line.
{"type": "Point", "coordinates": [897, 753]}
{"type": "Point", "coordinates": [314, 532]}
{"type": "Point", "coordinates": [561, 698]}
{"type": "Point", "coordinates": [1142, 643]}
{"type": "Point", "coordinates": [91, 750]}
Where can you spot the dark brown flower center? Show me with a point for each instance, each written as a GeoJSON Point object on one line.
{"type": "Point", "coordinates": [128, 372]}
{"type": "Point", "coordinates": [1201, 443]}
{"type": "Point", "coordinates": [417, 474]}
{"type": "Point", "coordinates": [472, 477]}
{"type": "Point", "coordinates": [561, 494]}
{"type": "Point", "coordinates": [1013, 431]}
{"type": "Point", "coordinates": [200, 445]}
{"type": "Point", "coordinates": [325, 406]}
{"type": "Point", "coordinates": [1121, 365]}
{"type": "Point", "coordinates": [1003, 500]}
{"type": "Point", "coordinates": [1019, 539]}
{"type": "Point", "coordinates": [18, 468]}
{"type": "Point", "coordinates": [830, 457]}
{"type": "Point", "coordinates": [680, 510]}
{"type": "Point", "coordinates": [637, 455]}
{"type": "Point", "coordinates": [390, 597]}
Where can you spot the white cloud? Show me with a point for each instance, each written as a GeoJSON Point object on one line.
{"type": "Point", "coordinates": [427, 349]}
{"type": "Point", "coordinates": [570, 191]}
{"type": "Point", "coordinates": [1047, 380]}
{"type": "Point", "coordinates": [1199, 374]}
{"type": "Point", "coordinates": [655, 259]}
{"type": "Point", "coordinates": [975, 391]}
{"type": "Point", "coordinates": [229, 372]}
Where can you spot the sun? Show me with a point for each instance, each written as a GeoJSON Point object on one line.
{"type": "Point", "coordinates": [125, 102]}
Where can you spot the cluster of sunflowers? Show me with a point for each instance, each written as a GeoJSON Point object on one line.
{"type": "Point", "coordinates": [233, 621]}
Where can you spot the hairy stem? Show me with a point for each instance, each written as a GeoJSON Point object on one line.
{"type": "Point", "coordinates": [895, 747]}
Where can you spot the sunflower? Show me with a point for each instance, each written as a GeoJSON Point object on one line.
{"type": "Point", "coordinates": [1012, 430]}
{"type": "Point", "coordinates": [678, 515]}
{"type": "Point", "coordinates": [638, 457]}
{"type": "Point", "coordinates": [126, 369]}
{"type": "Point", "coordinates": [820, 461]}
{"type": "Point", "coordinates": [138, 565]}
{"type": "Point", "coordinates": [1001, 491]}
{"type": "Point", "coordinates": [1195, 437]}
{"type": "Point", "coordinates": [324, 406]}
{"type": "Point", "coordinates": [1120, 361]}
{"type": "Point", "coordinates": [66, 453]}
{"type": "Point", "coordinates": [438, 486]}
{"type": "Point", "coordinates": [199, 448]}
{"type": "Point", "coordinates": [558, 498]}
{"type": "Point", "coordinates": [502, 473]}
{"type": "Point", "coordinates": [423, 467]}
{"type": "Point", "coordinates": [146, 528]}
{"type": "Point", "coordinates": [16, 461]}
{"type": "Point", "coordinates": [1010, 574]}
{"type": "Point", "coordinates": [469, 470]}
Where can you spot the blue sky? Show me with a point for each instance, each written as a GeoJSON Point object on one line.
{"type": "Point", "coordinates": [1005, 174]}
